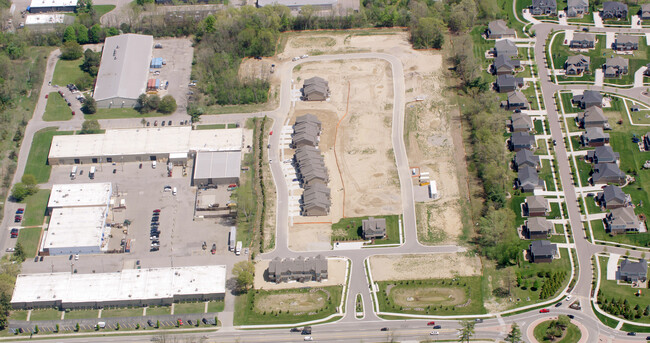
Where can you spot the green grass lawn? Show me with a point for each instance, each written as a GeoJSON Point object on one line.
{"type": "Point", "coordinates": [245, 197]}
{"type": "Point", "coordinates": [529, 92]}
{"type": "Point", "coordinates": [45, 314]}
{"type": "Point", "coordinates": [546, 174]}
{"type": "Point", "coordinates": [246, 312]}
{"type": "Point", "coordinates": [560, 52]}
{"type": "Point", "coordinates": [158, 310]}
{"type": "Point", "coordinates": [117, 113]}
{"type": "Point", "coordinates": [567, 105]}
{"type": "Point", "coordinates": [122, 312]}
{"type": "Point", "coordinates": [37, 159]}
{"type": "Point", "coordinates": [467, 287]}
{"type": "Point", "coordinates": [609, 289]}
{"type": "Point", "coordinates": [57, 108]}
{"type": "Point", "coordinates": [81, 314]}
{"type": "Point", "coordinates": [18, 315]}
{"type": "Point", "coordinates": [182, 308]}
{"type": "Point", "coordinates": [592, 207]}
{"type": "Point", "coordinates": [216, 306]}
{"type": "Point", "coordinates": [29, 239]}
{"type": "Point", "coordinates": [539, 127]}
{"type": "Point", "coordinates": [100, 10]}
{"type": "Point", "coordinates": [570, 335]}
{"type": "Point", "coordinates": [584, 171]}
{"type": "Point", "coordinates": [515, 205]}
{"type": "Point", "coordinates": [349, 229]}
{"type": "Point", "coordinates": [639, 239]}
{"type": "Point", "coordinates": [67, 72]}
{"type": "Point", "coordinates": [211, 126]}
{"type": "Point", "coordinates": [575, 142]}
{"type": "Point", "coordinates": [554, 211]}
{"type": "Point", "coordinates": [542, 147]}
{"type": "Point", "coordinates": [634, 328]}
{"type": "Point", "coordinates": [35, 207]}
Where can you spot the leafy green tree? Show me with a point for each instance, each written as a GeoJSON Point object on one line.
{"type": "Point", "coordinates": [462, 16]}
{"type": "Point", "coordinates": [19, 253]}
{"type": "Point", "coordinates": [167, 104]}
{"type": "Point", "coordinates": [141, 104]}
{"type": "Point", "coordinates": [153, 102]}
{"type": "Point", "coordinates": [69, 35]}
{"type": "Point", "coordinates": [89, 106]}
{"type": "Point", "coordinates": [95, 34]}
{"type": "Point", "coordinates": [466, 331]}
{"type": "Point", "coordinates": [90, 126]}
{"type": "Point", "coordinates": [15, 50]}
{"type": "Point", "coordinates": [514, 336]}
{"type": "Point", "coordinates": [28, 180]}
{"type": "Point", "coordinates": [244, 273]}
{"type": "Point", "coordinates": [82, 33]}
{"type": "Point", "coordinates": [428, 32]}
{"type": "Point", "coordinates": [563, 321]}
{"type": "Point", "coordinates": [22, 191]}
{"type": "Point", "coordinates": [91, 62]}
{"type": "Point", "coordinates": [71, 50]}
{"type": "Point", "coordinates": [76, 327]}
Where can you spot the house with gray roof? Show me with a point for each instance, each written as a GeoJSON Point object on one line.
{"type": "Point", "coordinates": [508, 83]}
{"type": "Point", "coordinates": [588, 99]}
{"type": "Point", "coordinates": [373, 228]}
{"type": "Point", "coordinates": [633, 271]}
{"type": "Point", "coordinates": [525, 157]}
{"type": "Point", "coordinates": [315, 89]}
{"type": "Point", "coordinates": [504, 65]}
{"type": "Point", "coordinates": [583, 41]}
{"type": "Point", "coordinates": [594, 136]}
{"type": "Point", "coordinates": [306, 131]}
{"type": "Point", "coordinates": [299, 269]}
{"type": "Point", "coordinates": [521, 122]}
{"type": "Point", "coordinates": [542, 251]}
{"type": "Point", "coordinates": [613, 9]}
{"type": "Point", "coordinates": [626, 43]}
{"type": "Point", "coordinates": [516, 101]}
{"type": "Point", "coordinates": [603, 154]}
{"type": "Point", "coordinates": [528, 180]}
{"type": "Point", "coordinates": [316, 200]}
{"type": "Point", "coordinates": [308, 118]}
{"type": "Point", "coordinates": [538, 228]}
{"type": "Point", "coordinates": [536, 206]}
{"type": "Point", "coordinates": [577, 64]}
{"type": "Point", "coordinates": [498, 29]}
{"type": "Point", "coordinates": [607, 173]}
{"type": "Point", "coordinates": [505, 47]}
{"type": "Point", "coordinates": [577, 8]}
{"type": "Point", "coordinates": [521, 140]}
{"type": "Point", "coordinates": [310, 165]}
{"type": "Point", "coordinates": [592, 117]}
{"type": "Point", "coordinates": [543, 7]}
{"type": "Point", "coordinates": [615, 66]}
{"type": "Point", "coordinates": [613, 197]}
{"type": "Point", "coordinates": [644, 12]}
{"type": "Point", "coordinates": [622, 220]}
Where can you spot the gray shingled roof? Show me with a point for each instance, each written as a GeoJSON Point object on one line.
{"type": "Point", "coordinates": [526, 157]}
{"type": "Point", "coordinates": [508, 80]}
{"type": "Point", "coordinates": [522, 139]}
{"type": "Point", "coordinates": [607, 171]}
{"type": "Point", "coordinates": [517, 97]}
{"type": "Point", "coordinates": [528, 178]}
{"type": "Point", "coordinates": [578, 60]}
{"type": "Point", "coordinates": [299, 265]}
{"type": "Point", "coordinates": [505, 47]}
{"type": "Point", "coordinates": [372, 226]}
{"type": "Point", "coordinates": [617, 62]}
{"type": "Point", "coordinates": [536, 202]}
{"type": "Point", "coordinates": [613, 194]}
{"type": "Point", "coordinates": [623, 216]}
{"type": "Point", "coordinates": [592, 115]}
{"type": "Point", "coordinates": [542, 248]}
{"type": "Point", "coordinates": [627, 39]}
{"type": "Point", "coordinates": [603, 154]}
{"type": "Point", "coordinates": [308, 118]}
{"type": "Point", "coordinates": [580, 37]}
{"type": "Point", "coordinates": [506, 62]}
{"type": "Point", "coordinates": [613, 6]}
{"type": "Point", "coordinates": [499, 27]}
{"type": "Point", "coordinates": [539, 225]}
{"type": "Point", "coordinates": [595, 133]}
{"type": "Point", "coordinates": [521, 121]}
{"type": "Point", "coordinates": [635, 268]}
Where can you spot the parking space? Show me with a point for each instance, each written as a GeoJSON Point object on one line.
{"type": "Point", "coordinates": [177, 54]}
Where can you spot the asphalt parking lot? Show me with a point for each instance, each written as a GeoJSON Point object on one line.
{"type": "Point", "coordinates": [177, 53]}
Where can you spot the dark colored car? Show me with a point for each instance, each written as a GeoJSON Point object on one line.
{"type": "Point", "coordinates": [631, 333]}
{"type": "Point", "coordinates": [437, 326]}
{"type": "Point", "coordinates": [292, 329]}
{"type": "Point", "coordinates": [20, 211]}
{"type": "Point", "coordinates": [169, 122]}
{"type": "Point", "coordinates": [190, 322]}
{"type": "Point", "coordinates": [571, 316]}
{"type": "Point", "coordinates": [18, 219]}
{"type": "Point", "coordinates": [150, 322]}
{"type": "Point", "coordinates": [205, 321]}
{"type": "Point", "coordinates": [558, 304]}
{"type": "Point", "coordinates": [154, 219]}
{"type": "Point", "coordinates": [154, 249]}
{"type": "Point", "coordinates": [384, 329]}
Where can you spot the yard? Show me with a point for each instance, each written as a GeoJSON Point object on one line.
{"type": "Point", "coordinates": [37, 159]}
{"type": "Point", "coordinates": [592, 207]}
{"type": "Point", "coordinates": [81, 314]}
{"type": "Point", "coordinates": [610, 290]}
{"type": "Point", "coordinates": [567, 105]}
{"type": "Point", "coordinates": [183, 308]}
{"type": "Point", "coordinates": [57, 108]}
{"type": "Point", "coordinates": [67, 72]}
{"type": "Point", "coordinates": [460, 295]}
{"type": "Point", "coordinates": [216, 306]}
{"type": "Point", "coordinates": [158, 310]}
{"type": "Point", "coordinates": [29, 238]}
{"type": "Point", "coordinates": [515, 205]}
{"type": "Point", "coordinates": [584, 170]}
{"type": "Point", "coordinates": [349, 229]}
{"type": "Point", "coordinates": [45, 314]}
{"type": "Point", "coordinates": [546, 174]}
{"type": "Point", "coordinates": [639, 239]}
{"type": "Point", "coordinates": [122, 312]}
{"type": "Point", "coordinates": [35, 207]}
{"type": "Point", "coordinates": [286, 306]}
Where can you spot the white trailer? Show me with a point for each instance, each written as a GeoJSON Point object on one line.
{"type": "Point", "coordinates": [232, 240]}
{"type": "Point", "coordinates": [238, 248]}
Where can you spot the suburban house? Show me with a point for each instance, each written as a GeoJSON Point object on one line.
{"type": "Point", "coordinates": [315, 89]}
{"type": "Point", "coordinates": [583, 41]}
{"type": "Point", "coordinates": [542, 251]}
{"type": "Point", "coordinates": [626, 43]}
{"type": "Point", "coordinates": [521, 122]}
{"type": "Point", "coordinates": [498, 29]}
{"type": "Point", "coordinates": [536, 206]}
{"type": "Point", "coordinates": [607, 173]}
{"type": "Point", "coordinates": [521, 140]}
{"type": "Point", "coordinates": [613, 197]}
{"type": "Point", "coordinates": [516, 101]}
{"type": "Point", "coordinates": [310, 166]}
{"type": "Point", "coordinates": [373, 228]}
{"type": "Point", "coordinates": [592, 117]}
{"type": "Point", "coordinates": [613, 9]}
{"type": "Point", "coordinates": [577, 64]}
{"type": "Point", "coordinates": [633, 271]}
{"type": "Point", "coordinates": [577, 7]}
{"type": "Point", "coordinates": [538, 228]}
{"type": "Point", "coordinates": [298, 269]}
{"type": "Point", "coordinates": [508, 83]}
{"type": "Point", "coordinates": [622, 220]}
{"type": "Point", "coordinates": [528, 180]}
{"type": "Point", "coordinates": [594, 136]}
{"type": "Point", "coordinates": [644, 13]}
{"type": "Point", "coordinates": [615, 66]}
{"type": "Point", "coordinates": [588, 99]}
{"type": "Point", "coordinates": [505, 47]}
{"type": "Point", "coordinates": [602, 154]}
{"type": "Point", "coordinates": [525, 157]}
{"type": "Point", "coordinates": [504, 65]}
{"type": "Point", "coordinates": [543, 7]}
{"type": "Point", "coordinates": [316, 200]}
{"type": "Point", "coordinates": [306, 131]}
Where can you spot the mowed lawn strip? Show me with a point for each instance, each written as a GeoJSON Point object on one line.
{"type": "Point", "coordinates": [67, 72]}
{"type": "Point", "coordinates": [122, 312]}
{"type": "Point", "coordinates": [45, 314]}
{"type": "Point", "coordinates": [35, 206]}
{"type": "Point", "coordinates": [57, 108]}
{"type": "Point", "coordinates": [29, 239]}
{"type": "Point", "coordinates": [37, 159]}
{"type": "Point", "coordinates": [182, 308]}
{"type": "Point", "coordinates": [571, 334]}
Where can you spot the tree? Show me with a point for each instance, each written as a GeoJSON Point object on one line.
{"type": "Point", "coordinates": [19, 252]}
{"type": "Point", "coordinates": [28, 180]}
{"type": "Point", "coordinates": [76, 327]}
{"type": "Point", "coordinates": [69, 35]}
{"type": "Point", "coordinates": [141, 104]}
{"type": "Point", "coordinates": [90, 126]}
{"type": "Point", "coordinates": [90, 105]}
{"type": "Point", "coordinates": [71, 51]}
{"type": "Point", "coordinates": [167, 104]}
{"type": "Point", "coordinates": [244, 273]}
{"type": "Point", "coordinates": [428, 33]}
{"type": "Point", "coordinates": [563, 321]}
{"type": "Point", "coordinates": [82, 33]}
{"type": "Point", "coordinates": [94, 35]}
{"type": "Point", "coordinates": [22, 191]}
{"type": "Point", "coordinates": [514, 336]}
{"type": "Point", "coordinates": [91, 62]}
{"type": "Point", "coordinates": [153, 102]}
{"type": "Point", "coordinates": [466, 331]}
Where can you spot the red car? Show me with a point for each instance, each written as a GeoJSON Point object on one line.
{"type": "Point", "coordinates": [544, 310]}
{"type": "Point", "coordinates": [180, 322]}
{"type": "Point", "coordinates": [431, 323]}
{"type": "Point", "coordinates": [156, 210]}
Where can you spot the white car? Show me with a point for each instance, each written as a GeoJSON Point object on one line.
{"type": "Point", "coordinates": [434, 333]}
{"type": "Point", "coordinates": [76, 257]}
{"type": "Point", "coordinates": [308, 338]}
{"type": "Point", "coordinates": [568, 297]}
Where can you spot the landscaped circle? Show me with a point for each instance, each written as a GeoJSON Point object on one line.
{"type": "Point", "coordinates": [570, 334]}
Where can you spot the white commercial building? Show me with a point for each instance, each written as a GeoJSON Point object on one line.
{"type": "Point", "coordinates": [130, 287]}
{"type": "Point", "coordinates": [39, 6]}
{"type": "Point", "coordinates": [48, 19]}
{"type": "Point", "coordinates": [80, 195]}
{"type": "Point", "coordinates": [213, 168]}
{"type": "Point", "coordinates": [75, 230]}
{"type": "Point", "coordinates": [137, 145]}
{"type": "Point", "coordinates": [123, 70]}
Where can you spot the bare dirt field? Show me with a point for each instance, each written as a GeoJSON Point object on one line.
{"type": "Point", "coordinates": [425, 296]}
{"type": "Point", "coordinates": [293, 302]}
{"type": "Point", "coordinates": [336, 269]}
{"type": "Point", "coordinates": [423, 266]}
{"type": "Point", "coordinates": [310, 237]}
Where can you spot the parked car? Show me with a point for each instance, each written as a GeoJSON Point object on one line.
{"type": "Point", "coordinates": [308, 338]}
{"type": "Point", "coordinates": [76, 257]}
{"type": "Point", "coordinates": [478, 320]}
{"type": "Point", "coordinates": [544, 310]}
{"type": "Point", "coordinates": [169, 123]}
{"type": "Point", "coordinates": [631, 333]}
{"type": "Point", "coordinates": [10, 249]}
{"type": "Point", "coordinates": [571, 316]}
{"type": "Point", "coordinates": [150, 322]}
{"type": "Point", "coordinates": [558, 304]}
{"type": "Point", "coordinates": [156, 210]}
{"type": "Point", "coordinates": [20, 211]}
{"type": "Point", "coordinates": [292, 329]}
{"type": "Point", "coordinates": [437, 326]}
{"type": "Point", "coordinates": [180, 322]}
{"type": "Point", "coordinates": [431, 323]}
{"type": "Point", "coordinates": [154, 249]}
{"type": "Point", "coordinates": [205, 321]}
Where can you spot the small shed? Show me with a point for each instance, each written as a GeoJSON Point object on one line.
{"type": "Point", "coordinates": [156, 62]}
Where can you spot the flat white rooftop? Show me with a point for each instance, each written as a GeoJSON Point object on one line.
{"type": "Point", "coordinates": [35, 19]}
{"type": "Point", "coordinates": [76, 227]}
{"type": "Point", "coordinates": [127, 285]}
{"type": "Point", "coordinates": [296, 3]}
{"type": "Point", "coordinates": [80, 195]}
{"type": "Point", "coordinates": [52, 3]}
{"type": "Point", "coordinates": [125, 142]}
{"type": "Point", "coordinates": [219, 164]}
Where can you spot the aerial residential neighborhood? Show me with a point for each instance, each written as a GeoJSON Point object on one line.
{"type": "Point", "coordinates": [325, 170]}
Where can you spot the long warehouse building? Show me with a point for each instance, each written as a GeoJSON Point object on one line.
{"type": "Point", "coordinates": [40, 6]}
{"type": "Point", "coordinates": [130, 287]}
{"type": "Point", "coordinates": [138, 145]}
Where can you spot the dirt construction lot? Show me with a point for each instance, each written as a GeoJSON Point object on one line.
{"type": "Point", "coordinates": [336, 269]}
{"type": "Point", "coordinates": [423, 266]}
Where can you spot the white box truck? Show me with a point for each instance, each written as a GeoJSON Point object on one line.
{"type": "Point", "coordinates": [73, 173]}
{"type": "Point", "coordinates": [91, 174]}
{"type": "Point", "coordinates": [238, 248]}
{"type": "Point", "coordinates": [232, 240]}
